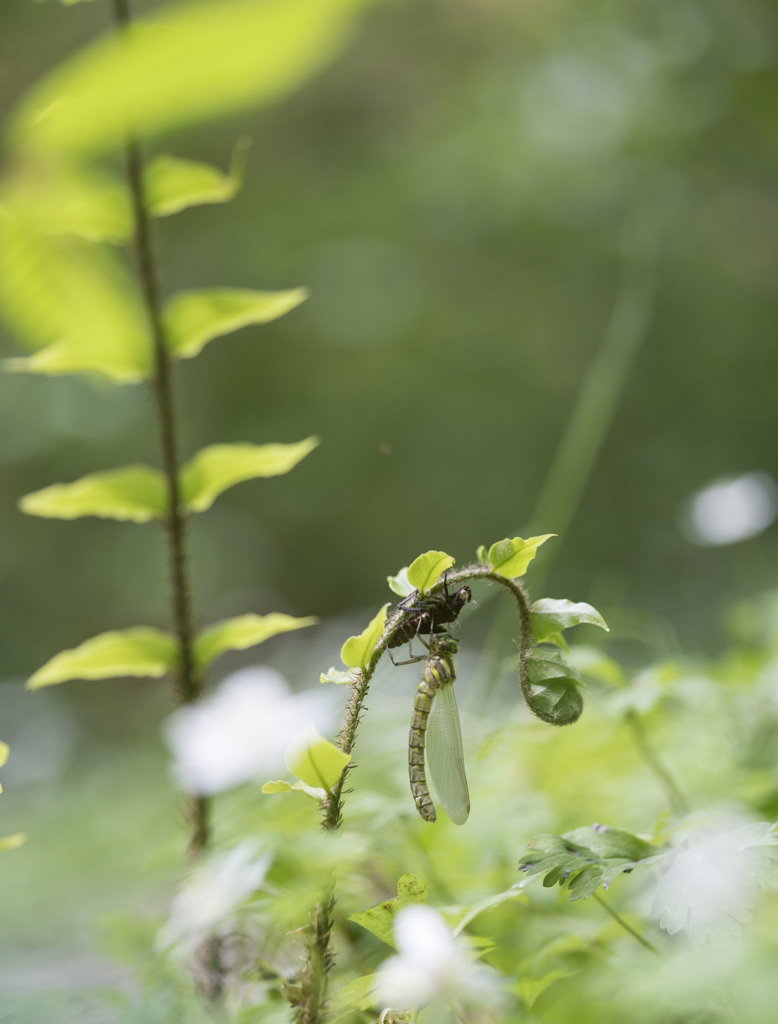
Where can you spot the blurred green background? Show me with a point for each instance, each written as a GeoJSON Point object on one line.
{"type": "Point", "coordinates": [503, 209]}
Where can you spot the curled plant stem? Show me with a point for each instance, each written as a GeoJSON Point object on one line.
{"type": "Point", "coordinates": [674, 795]}
{"type": "Point", "coordinates": [318, 954]}
{"type": "Point", "coordinates": [625, 925]}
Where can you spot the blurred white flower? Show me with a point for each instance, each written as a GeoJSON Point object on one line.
{"type": "Point", "coordinates": [432, 965]}
{"type": "Point", "coordinates": [240, 732]}
{"type": "Point", "coordinates": [211, 895]}
{"type": "Point", "coordinates": [709, 889]}
{"type": "Point", "coordinates": [731, 509]}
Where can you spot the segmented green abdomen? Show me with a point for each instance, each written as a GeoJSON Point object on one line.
{"type": "Point", "coordinates": [438, 670]}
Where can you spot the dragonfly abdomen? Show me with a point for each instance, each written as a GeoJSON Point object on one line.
{"type": "Point", "coordinates": [422, 705]}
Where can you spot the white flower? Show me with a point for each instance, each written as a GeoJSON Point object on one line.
{"type": "Point", "coordinates": [211, 895]}
{"type": "Point", "coordinates": [239, 733]}
{"type": "Point", "coordinates": [710, 887]}
{"type": "Point", "coordinates": [432, 965]}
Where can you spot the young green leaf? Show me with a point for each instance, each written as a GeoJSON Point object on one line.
{"type": "Point", "coordinates": [549, 617]}
{"type": "Point", "coordinates": [172, 185]}
{"type": "Point", "coordinates": [279, 786]}
{"type": "Point", "coordinates": [192, 319]}
{"type": "Point", "coordinates": [379, 919]}
{"type": "Point", "coordinates": [357, 650]}
{"type": "Point", "coordinates": [510, 557]}
{"type": "Point", "coordinates": [135, 493]}
{"type": "Point", "coordinates": [188, 63]}
{"type": "Point", "coordinates": [4, 751]}
{"type": "Point", "coordinates": [242, 632]}
{"type": "Point", "coordinates": [141, 651]}
{"type": "Point", "coordinates": [586, 858]}
{"type": "Point", "coordinates": [73, 301]}
{"type": "Point", "coordinates": [400, 584]}
{"type": "Point", "coordinates": [554, 694]}
{"type": "Point", "coordinates": [425, 571]}
{"type": "Point", "coordinates": [335, 675]}
{"type": "Point", "coordinates": [220, 466]}
{"type": "Point", "coordinates": [316, 761]}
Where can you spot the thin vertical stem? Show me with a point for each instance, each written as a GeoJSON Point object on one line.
{"type": "Point", "coordinates": [187, 682]}
{"type": "Point", "coordinates": [672, 790]}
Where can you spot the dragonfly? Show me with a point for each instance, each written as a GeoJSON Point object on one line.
{"type": "Point", "coordinates": [436, 735]}
{"type": "Point", "coordinates": [429, 614]}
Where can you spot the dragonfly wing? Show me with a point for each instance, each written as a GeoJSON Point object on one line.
{"type": "Point", "coordinates": [445, 757]}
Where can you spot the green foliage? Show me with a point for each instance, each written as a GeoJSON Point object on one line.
{"type": "Point", "coordinates": [554, 688]}
{"type": "Point", "coordinates": [220, 466]}
{"type": "Point", "coordinates": [141, 651]}
{"type": "Point", "coordinates": [242, 632]}
{"type": "Point", "coordinates": [193, 319]}
{"type": "Point", "coordinates": [316, 761]}
{"type": "Point", "coordinates": [510, 557]}
{"type": "Point", "coordinates": [230, 55]}
{"type": "Point", "coordinates": [550, 616]}
{"type": "Point", "coordinates": [135, 493]}
{"type": "Point", "coordinates": [358, 650]}
{"type": "Point", "coordinates": [172, 184]}
{"type": "Point", "coordinates": [426, 570]}
{"type": "Point", "coordinates": [587, 858]}
{"type": "Point", "coordinates": [379, 919]}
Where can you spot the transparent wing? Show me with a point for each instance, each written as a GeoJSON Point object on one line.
{"type": "Point", "coordinates": [445, 757]}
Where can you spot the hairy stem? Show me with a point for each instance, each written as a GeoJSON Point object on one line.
{"type": "Point", "coordinates": [187, 679]}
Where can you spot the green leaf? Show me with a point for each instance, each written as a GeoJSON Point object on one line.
{"type": "Point", "coordinates": [172, 185]}
{"type": "Point", "coordinates": [549, 616]}
{"type": "Point", "coordinates": [425, 571]}
{"type": "Point", "coordinates": [469, 913]}
{"type": "Point", "coordinates": [136, 493]}
{"type": "Point", "coordinates": [188, 63]}
{"type": "Point", "coordinates": [357, 995]}
{"type": "Point", "coordinates": [4, 751]}
{"type": "Point", "coordinates": [529, 988]}
{"type": "Point", "coordinates": [220, 466]}
{"type": "Point", "coordinates": [379, 919]}
{"type": "Point", "coordinates": [357, 650]}
{"type": "Point", "coordinates": [12, 842]}
{"type": "Point", "coordinates": [141, 651]}
{"type": "Point", "coordinates": [586, 858]}
{"type": "Point", "coordinates": [400, 584]}
{"type": "Point", "coordinates": [554, 695]}
{"type": "Point", "coordinates": [335, 675]}
{"type": "Point", "coordinates": [279, 786]}
{"type": "Point", "coordinates": [510, 557]}
{"type": "Point", "coordinates": [73, 301]}
{"type": "Point", "coordinates": [316, 761]}
{"type": "Point", "coordinates": [192, 319]}
{"type": "Point", "coordinates": [242, 632]}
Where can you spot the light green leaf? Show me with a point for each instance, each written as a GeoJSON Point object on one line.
{"type": "Point", "coordinates": [135, 493]}
{"type": "Point", "coordinates": [549, 616]}
{"type": "Point", "coordinates": [469, 913]}
{"type": "Point", "coordinates": [316, 761]}
{"type": "Point", "coordinates": [510, 557]}
{"type": "Point", "coordinates": [72, 300]}
{"type": "Point", "coordinates": [221, 466]}
{"type": "Point", "coordinates": [141, 651]}
{"type": "Point", "coordinates": [400, 584]}
{"type": "Point", "coordinates": [192, 319]}
{"type": "Point", "coordinates": [188, 63]}
{"type": "Point", "coordinates": [12, 842]}
{"type": "Point", "coordinates": [379, 919]}
{"type": "Point", "coordinates": [357, 650]}
{"type": "Point", "coordinates": [335, 675]}
{"type": "Point", "coordinates": [279, 786]}
{"type": "Point", "coordinates": [481, 554]}
{"type": "Point", "coordinates": [425, 571]}
{"type": "Point", "coordinates": [4, 750]}
{"type": "Point", "coordinates": [172, 185]}
{"type": "Point", "coordinates": [357, 995]}
{"type": "Point", "coordinates": [243, 631]}
{"type": "Point", "coordinates": [531, 988]}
